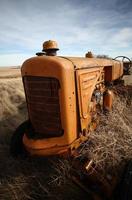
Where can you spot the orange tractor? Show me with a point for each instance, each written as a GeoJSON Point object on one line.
{"type": "Point", "coordinates": [63, 95]}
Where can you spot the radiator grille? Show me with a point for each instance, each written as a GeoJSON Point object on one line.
{"type": "Point", "coordinates": [42, 96]}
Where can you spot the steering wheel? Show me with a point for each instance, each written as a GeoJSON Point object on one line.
{"type": "Point", "coordinates": [126, 65]}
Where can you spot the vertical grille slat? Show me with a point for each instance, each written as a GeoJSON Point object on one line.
{"type": "Point", "coordinates": [42, 94]}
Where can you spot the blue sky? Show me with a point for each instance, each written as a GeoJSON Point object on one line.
{"type": "Point", "coordinates": [100, 26]}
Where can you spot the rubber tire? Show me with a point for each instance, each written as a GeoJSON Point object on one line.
{"type": "Point", "coordinates": [16, 144]}
{"type": "Point", "coordinates": [125, 189]}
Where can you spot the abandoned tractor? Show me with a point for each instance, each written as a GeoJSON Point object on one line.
{"type": "Point", "coordinates": [64, 96]}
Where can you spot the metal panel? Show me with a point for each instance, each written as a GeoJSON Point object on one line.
{"type": "Point", "coordinates": [86, 81]}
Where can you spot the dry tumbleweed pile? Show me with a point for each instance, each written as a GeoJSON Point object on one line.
{"type": "Point", "coordinates": [110, 146]}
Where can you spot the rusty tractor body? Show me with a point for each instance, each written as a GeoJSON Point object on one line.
{"type": "Point", "coordinates": [63, 97]}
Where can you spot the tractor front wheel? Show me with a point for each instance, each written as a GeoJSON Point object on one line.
{"type": "Point", "coordinates": [16, 145]}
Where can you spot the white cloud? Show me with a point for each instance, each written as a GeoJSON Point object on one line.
{"type": "Point", "coordinates": [123, 38]}
{"type": "Point", "coordinates": [77, 28]}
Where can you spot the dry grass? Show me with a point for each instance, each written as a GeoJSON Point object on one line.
{"type": "Point", "coordinates": [12, 105]}
{"type": "Point", "coordinates": [39, 178]}
{"type": "Point", "coordinates": [11, 96]}
{"type": "Point", "coordinates": [110, 146]}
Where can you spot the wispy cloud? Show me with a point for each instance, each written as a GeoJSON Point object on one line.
{"type": "Point", "coordinates": [79, 25]}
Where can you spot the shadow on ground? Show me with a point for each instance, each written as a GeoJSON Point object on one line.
{"type": "Point", "coordinates": [30, 178]}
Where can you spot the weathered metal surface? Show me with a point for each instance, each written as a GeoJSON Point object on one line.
{"type": "Point", "coordinates": [86, 81]}
{"type": "Point", "coordinates": [82, 84]}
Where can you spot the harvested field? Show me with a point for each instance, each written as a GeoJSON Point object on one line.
{"type": "Point", "coordinates": [48, 178]}
{"type": "Point", "coordinates": [6, 72]}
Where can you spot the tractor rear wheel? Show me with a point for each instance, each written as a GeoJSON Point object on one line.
{"type": "Point", "coordinates": [16, 145]}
